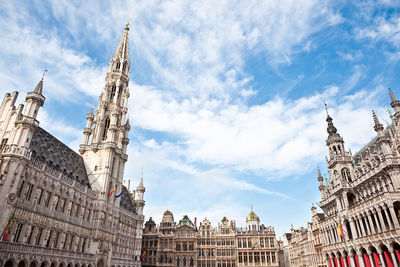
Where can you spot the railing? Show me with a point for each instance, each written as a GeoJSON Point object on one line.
{"type": "Point", "coordinates": [32, 249]}
{"type": "Point", "coordinates": [17, 150]}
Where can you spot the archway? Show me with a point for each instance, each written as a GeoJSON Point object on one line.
{"type": "Point", "coordinates": [22, 264]}
{"type": "Point", "coordinates": [9, 263]}
{"type": "Point", "coordinates": [100, 263]}
{"type": "Point", "coordinates": [396, 251]}
{"type": "Point", "coordinates": [33, 264]}
{"type": "Point", "coordinates": [375, 255]}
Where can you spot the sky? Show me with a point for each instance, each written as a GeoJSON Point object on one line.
{"type": "Point", "coordinates": [227, 97]}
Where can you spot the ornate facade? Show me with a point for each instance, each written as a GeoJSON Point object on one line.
{"type": "Point", "coordinates": [69, 209]}
{"type": "Point", "coordinates": [183, 244]}
{"type": "Point", "coordinates": [362, 197]}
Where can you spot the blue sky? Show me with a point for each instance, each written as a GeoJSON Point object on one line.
{"type": "Point", "coordinates": [226, 96]}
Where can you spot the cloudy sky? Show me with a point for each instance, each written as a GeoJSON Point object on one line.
{"type": "Point", "coordinates": [227, 97]}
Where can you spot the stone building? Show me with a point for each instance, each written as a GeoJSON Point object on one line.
{"type": "Point", "coordinates": [283, 251]}
{"type": "Point", "coordinates": [206, 240]}
{"type": "Point", "coordinates": [69, 209]}
{"type": "Point", "coordinates": [256, 244]}
{"type": "Point", "coordinates": [223, 246]}
{"type": "Point", "coordinates": [362, 195]}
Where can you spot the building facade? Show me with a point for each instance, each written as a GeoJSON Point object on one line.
{"type": "Point", "coordinates": [61, 208]}
{"type": "Point", "coordinates": [205, 246]}
{"type": "Point", "coordinates": [361, 198]}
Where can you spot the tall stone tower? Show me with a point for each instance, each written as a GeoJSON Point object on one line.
{"type": "Point", "coordinates": [106, 134]}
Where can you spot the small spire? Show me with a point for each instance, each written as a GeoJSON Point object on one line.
{"type": "Point", "coordinates": [320, 178]}
{"type": "Point", "coordinates": [392, 96]}
{"type": "Point", "coordinates": [141, 180]}
{"type": "Point", "coordinates": [122, 49]}
{"type": "Point", "coordinates": [39, 87]}
{"type": "Point", "coordinates": [378, 126]}
{"type": "Point", "coordinates": [90, 115]}
{"type": "Point", "coordinates": [326, 109]}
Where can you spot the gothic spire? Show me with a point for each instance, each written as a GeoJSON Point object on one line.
{"type": "Point", "coordinates": [320, 178]}
{"type": "Point", "coordinates": [378, 127]}
{"type": "Point", "coordinates": [395, 103]}
{"type": "Point", "coordinates": [122, 50]}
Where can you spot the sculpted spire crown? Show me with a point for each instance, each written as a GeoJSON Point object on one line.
{"type": "Point", "coordinates": [122, 51]}
{"type": "Point", "coordinates": [320, 178]}
{"type": "Point", "coordinates": [377, 125]}
{"type": "Point", "coordinates": [332, 131]}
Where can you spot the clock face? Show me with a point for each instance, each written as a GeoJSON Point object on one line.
{"type": "Point", "coordinates": [11, 198]}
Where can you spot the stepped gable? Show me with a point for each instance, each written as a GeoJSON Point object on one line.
{"type": "Point", "coordinates": [126, 201]}
{"type": "Point", "coordinates": [58, 156]}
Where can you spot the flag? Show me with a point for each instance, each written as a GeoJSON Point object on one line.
{"type": "Point", "coordinates": [340, 230]}
{"type": "Point", "coordinates": [144, 254]}
{"type": "Point", "coordinates": [117, 196]}
{"type": "Point", "coordinates": [109, 195]}
{"type": "Point", "coordinates": [8, 229]}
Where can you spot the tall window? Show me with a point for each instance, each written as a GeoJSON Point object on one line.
{"type": "Point", "coordinates": [18, 232]}
{"type": "Point", "coordinates": [29, 192]}
{"type": "Point", "coordinates": [118, 65]}
{"type": "Point", "coordinates": [106, 126]}
{"type": "Point", "coordinates": [113, 88]}
{"type": "Point", "coordinates": [346, 174]}
{"type": "Point", "coordinates": [20, 189]}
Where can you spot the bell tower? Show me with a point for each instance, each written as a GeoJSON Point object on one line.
{"type": "Point", "coordinates": [105, 137]}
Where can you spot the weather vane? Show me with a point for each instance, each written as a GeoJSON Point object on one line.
{"type": "Point", "coordinates": [326, 108]}
{"type": "Point", "coordinates": [44, 72]}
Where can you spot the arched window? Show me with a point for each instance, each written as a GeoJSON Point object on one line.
{"type": "Point", "coordinates": [113, 88]}
{"type": "Point", "coordinates": [124, 67]}
{"type": "Point", "coordinates": [118, 65]}
{"type": "Point", "coordinates": [119, 92]}
{"type": "Point", "coordinates": [106, 126]}
{"type": "Point", "coordinates": [346, 174]}
{"type": "Point", "coordinates": [334, 150]}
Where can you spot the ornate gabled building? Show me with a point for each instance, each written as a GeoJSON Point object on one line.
{"type": "Point", "coordinates": [61, 208]}
{"type": "Point", "coordinates": [183, 244]}
{"type": "Point", "coordinates": [361, 200]}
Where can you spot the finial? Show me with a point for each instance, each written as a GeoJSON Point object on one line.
{"type": "Point", "coordinates": [127, 26]}
{"type": "Point", "coordinates": [377, 125]}
{"type": "Point", "coordinates": [252, 208]}
{"type": "Point", "coordinates": [44, 72]}
{"type": "Point", "coordinates": [326, 109]}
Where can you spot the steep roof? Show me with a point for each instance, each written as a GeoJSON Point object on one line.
{"type": "Point", "coordinates": [125, 201]}
{"type": "Point", "coordinates": [58, 156]}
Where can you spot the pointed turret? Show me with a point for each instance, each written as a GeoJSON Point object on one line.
{"type": "Point", "coordinates": [34, 100]}
{"type": "Point", "coordinates": [39, 87]}
{"type": "Point", "coordinates": [395, 105]}
{"type": "Point", "coordinates": [320, 178]}
{"type": "Point", "coordinates": [378, 127]}
{"type": "Point", "coordinates": [122, 50]}
{"type": "Point", "coordinates": [334, 141]}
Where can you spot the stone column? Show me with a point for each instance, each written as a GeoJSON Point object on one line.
{"type": "Point", "coordinates": [371, 259]}
{"type": "Point", "coordinates": [377, 222]}
{"type": "Point", "coordinates": [393, 254]}
{"type": "Point", "coordinates": [361, 259]}
{"type": "Point", "coordinates": [382, 259]}
{"type": "Point", "coordinates": [352, 261]}
{"type": "Point", "coordinates": [394, 217]}
{"type": "Point", "coordinates": [364, 233]}
{"type": "Point", "coordinates": [371, 223]}
{"type": "Point", "coordinates": [353, 228]}
{"type": "Point", "coordinates": [384, 228]}
{"type": "Point", "coordinates": [367, 226]}
{"type": "Point", "coordinates": [388, 219]}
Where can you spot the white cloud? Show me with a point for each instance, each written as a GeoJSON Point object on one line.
{"type": "Point", "coordinates": [382, 30]}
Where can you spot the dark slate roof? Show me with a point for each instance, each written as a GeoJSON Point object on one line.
{"type": "Point", "coordinates": [58, 156]}
{"type": "Point", "coordinates": [126, 201]}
